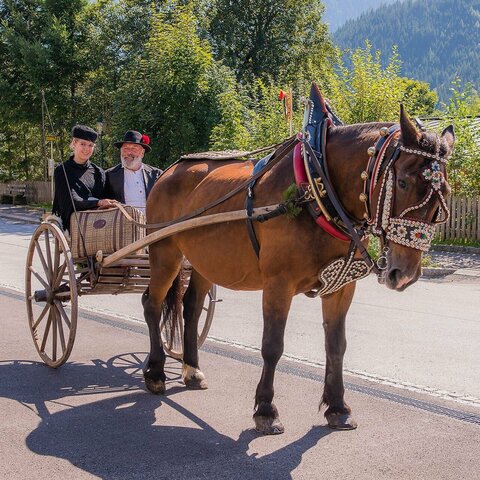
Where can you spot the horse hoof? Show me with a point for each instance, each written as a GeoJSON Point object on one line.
{"type": "Point", "coordinates": [341, 421]}
{"type": "Point", "coordinates": [156, 387]}
{"type": "Point", "coordinates": [193, 378]}
{"type": "Point", "coordinates": [196, 384]}
{"type": "Point", "coordinates": [268, 425]}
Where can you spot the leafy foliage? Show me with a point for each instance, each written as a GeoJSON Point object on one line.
{"type": "Point", "coordinates": [369, 92]}
{"type": "Point", "coordinates": [193, 74]}
{"type": "Point", "coordinates": [437, 39]}
{"type": "Point", "coordinates": [171, 90]}
{"type": "Point", "coordinates": [271, 40]}
{"type": "Point", "coordinates": [464, 164]}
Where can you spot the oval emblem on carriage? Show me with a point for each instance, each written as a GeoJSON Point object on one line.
{"type": "Point", "coordinates": [99, 223]}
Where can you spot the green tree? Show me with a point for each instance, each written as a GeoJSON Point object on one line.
{"type": "Point", "coordinates": [44, 46]}
{"type": "Point", "coordinates": [274, 40]}
{"type": "Point", "coordinates": [171, 91]}
{"type": "Point", "coordinates": [369, 92]}
{"type": "Point", "coordinates": [251, 117]}
{"type": "Point", "coordinates": [417, 97]}
{"type": "Point", "coordinates": [464, 164]}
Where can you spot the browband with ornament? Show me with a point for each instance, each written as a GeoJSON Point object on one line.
{"type": "Point", "coordinates": [422, 153]}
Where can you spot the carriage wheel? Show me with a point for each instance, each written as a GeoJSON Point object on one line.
{"type": "Point", "coordinates": [49, 283]}
{"type": "Point", "coordinates": [172, 334]}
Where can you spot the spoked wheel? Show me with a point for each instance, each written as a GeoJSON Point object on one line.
{"type": "Point", "coordinates": [50, 283]}
{"type": "Point", "coordinates": [172, 332]}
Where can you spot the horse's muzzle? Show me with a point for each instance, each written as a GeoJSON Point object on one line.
{"type": "Point", "coordinates": [395, 279]}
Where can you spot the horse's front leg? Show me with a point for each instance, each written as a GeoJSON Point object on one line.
{"type": "Point", "coordinates": [276, 304]}
{"type": "Point", "coordinates": [335, 308]}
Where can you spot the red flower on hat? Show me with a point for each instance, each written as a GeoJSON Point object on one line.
{"type": "Point", "coordinates": [145, 139]}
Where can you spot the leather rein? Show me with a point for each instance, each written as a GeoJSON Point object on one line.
{"type": "Point", "coordinates": [288, 146]}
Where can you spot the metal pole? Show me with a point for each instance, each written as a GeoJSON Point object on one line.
{"type": "Point", "coordinates": [101, 150]}
{"type": "Point", "coordinates": [44, 152]}
{"type": "Point", "coordinates": [51, 165]}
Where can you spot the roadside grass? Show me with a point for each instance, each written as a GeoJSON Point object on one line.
{"type": "Point", "coordinates": [457, 243]}
{"type": "Point", "coordinates": [47, 206]}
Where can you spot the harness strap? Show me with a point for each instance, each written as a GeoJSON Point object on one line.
{"type": "Point", "coordinates": [249, 203]}
{"type": "Point", "coordinates": [291, 142]}
{"type": "Point", "coordinates": [250, 230]}
{"type": "Point", "coordinates": [338, 207]}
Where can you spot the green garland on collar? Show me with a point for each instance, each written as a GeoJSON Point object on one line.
{"type": "Point", "coordinates": [290, 200]}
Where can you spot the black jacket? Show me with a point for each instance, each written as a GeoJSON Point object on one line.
{"type": "Point", "coordinates": [115, 181]}
{"type": "Point", "coordinates": [87, 185]}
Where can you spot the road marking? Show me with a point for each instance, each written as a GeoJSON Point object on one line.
{"type": "Point", "coordinates": [243, 353]}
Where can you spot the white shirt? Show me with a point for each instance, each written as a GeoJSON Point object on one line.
{"type": "Point", "coordinates": [134, 188]}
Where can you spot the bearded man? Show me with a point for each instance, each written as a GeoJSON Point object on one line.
{"type": "Point", "coordinates": [130, 181]}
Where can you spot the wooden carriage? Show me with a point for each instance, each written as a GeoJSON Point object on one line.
{"type": "Point", "coordinates": [55, 279]}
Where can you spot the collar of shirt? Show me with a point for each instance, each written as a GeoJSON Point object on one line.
{"type": "Point", "coordinates": [133, 172]}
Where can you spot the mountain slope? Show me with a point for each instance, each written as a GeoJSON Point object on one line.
{"type": "Point", "coordinates": [437, 39]}
{"type": "Point", "coordinates": [337, 13]}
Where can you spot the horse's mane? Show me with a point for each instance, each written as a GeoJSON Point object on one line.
{"type": "Point", "coordinates": [432, 143]}
{"type": "Point", "coordinates": [429, 142]}
{"type": "Point", "coordinates": [362, 131]}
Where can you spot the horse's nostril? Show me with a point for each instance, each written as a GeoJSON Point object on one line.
{"type": "Point", "coordinates": [393, 274]}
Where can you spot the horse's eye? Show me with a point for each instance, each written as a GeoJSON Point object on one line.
{"type": "Point", "coordinates": [402, 184]}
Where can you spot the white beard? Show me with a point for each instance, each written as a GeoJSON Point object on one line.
{"type": "Point", "coordinates": [132, 163]}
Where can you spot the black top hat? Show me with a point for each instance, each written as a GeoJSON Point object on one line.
{"type": "Point", "coordinates": [132, 136]}
{"type": "Point", "coordinates": [85, 133]}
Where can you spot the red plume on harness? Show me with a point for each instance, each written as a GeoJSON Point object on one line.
{"type": "Point", "coordinates": [145, 139]}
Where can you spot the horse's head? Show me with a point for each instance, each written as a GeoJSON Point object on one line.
{"type": "Point", "coordinates": [410, 198]}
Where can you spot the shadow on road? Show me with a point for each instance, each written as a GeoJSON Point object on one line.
{"type": "Point", "coordinates": [12, 227]}
{"type": "Point", "coordinates": [119, 437]}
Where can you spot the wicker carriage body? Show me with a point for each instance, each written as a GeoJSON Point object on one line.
{"type": "Point", "coordinates": [104, 230]}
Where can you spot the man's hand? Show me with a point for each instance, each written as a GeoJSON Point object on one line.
{"type": "Point", "coordinates": [106, 203]}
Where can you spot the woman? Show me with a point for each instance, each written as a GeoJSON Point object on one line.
{"type": "Point", "coordinates": [79, 182]}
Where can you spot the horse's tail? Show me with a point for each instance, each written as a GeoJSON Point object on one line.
{"type": "Point", "coordinates": [172, 311]}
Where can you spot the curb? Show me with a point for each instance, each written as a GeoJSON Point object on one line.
{"type": "Point", "coordinates": [455, 249]}
{"type": "Point", "coordinates": [443, 272]}
{"type": "Point", "coordinates": [21, 218]}
{"type": "Point", "coordinates": [438, 272]}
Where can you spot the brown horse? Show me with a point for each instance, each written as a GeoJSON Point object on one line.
{"type": "Point", "coordinates": [293, 250]}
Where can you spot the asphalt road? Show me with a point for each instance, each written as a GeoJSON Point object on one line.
{"type": "Point", "coordinates": [412, 381]}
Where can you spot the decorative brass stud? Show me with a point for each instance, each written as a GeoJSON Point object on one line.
{"type": "Point", "coordinates": [384, 131]}
{"type": "Point", "coordinates": [371, 151]}
{"type": "Point", "coordinates": [363, 197]}
{"type": "Point", "coordinates": [364, 175]}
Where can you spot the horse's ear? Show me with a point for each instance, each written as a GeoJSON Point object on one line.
{"type": "Point", "coordinates": [410, 134]}
{"type": "Point", "coordinates": [449, 136]}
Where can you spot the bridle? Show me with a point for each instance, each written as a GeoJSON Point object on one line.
{"type": "Point", "coordinates": [379, 182]}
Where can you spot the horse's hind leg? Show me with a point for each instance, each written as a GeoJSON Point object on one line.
{"type": "Point", "coordinates": [165, 260]}
{"type": "Point", "coordinates": [193, 301]}
{"type": "Point", "coordinates": [335, 308]}
{"type": "Point", "coordinates": [276, 304]}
